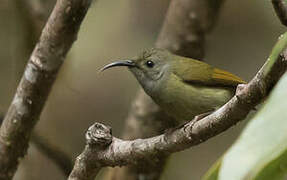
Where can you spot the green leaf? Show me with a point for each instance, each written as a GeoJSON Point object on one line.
{"type": "Point", "coordinates": [261, 150]}
{"type": "Point", "coordinates": [266, 114]}
{"type": "Point", "coordinates": [277, 49]}
{"type": "Point", "coordinates": [212, 173]}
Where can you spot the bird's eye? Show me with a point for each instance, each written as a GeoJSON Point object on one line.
{"type": "Point", "coordinates": [149, 64]}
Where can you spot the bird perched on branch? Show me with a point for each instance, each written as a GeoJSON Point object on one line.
{"type": "Point", "coordinates": [182, 87]}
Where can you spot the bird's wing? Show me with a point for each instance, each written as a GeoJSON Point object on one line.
{"type": "Point", "coordinates": [226, 78]}
{"type": "Point", "coordinates": [201, 73]}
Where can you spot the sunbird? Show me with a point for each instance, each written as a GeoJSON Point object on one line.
{"type": "Point", "coordinates": [183, 87]}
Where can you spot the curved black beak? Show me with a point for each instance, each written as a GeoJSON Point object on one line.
{"type": "Point", "coordinates": [128, 63]}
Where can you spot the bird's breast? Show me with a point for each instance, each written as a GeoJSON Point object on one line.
{"type": "Point", "coordinates": [183, 101]}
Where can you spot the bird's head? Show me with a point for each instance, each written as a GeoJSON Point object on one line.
{"type": "Point", "coordinates": [149, 67]}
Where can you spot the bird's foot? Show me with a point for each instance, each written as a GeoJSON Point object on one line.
{"type": "Point", "coordinates": [191, 123]}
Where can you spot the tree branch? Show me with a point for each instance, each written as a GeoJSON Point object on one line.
{"type": "Point", "coordinates": [183, 32]}
{"type": "Point", "coordinates": [35, 13]}
{"type": "Point", "coordinates": [280, 7]}
{"type": "Point", "coordinates": [186, 25]}
{"type": "Point", "coordinates": [102, 149]}
{"type": "Point", "coordinates": [56, 39]}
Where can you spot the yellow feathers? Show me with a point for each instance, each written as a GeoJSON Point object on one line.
{"type": "Point", "coordinates": [224, 77]}
{"type": "Point", "coordinates": [197, 72]}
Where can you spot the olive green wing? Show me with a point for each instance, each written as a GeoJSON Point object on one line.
{"type": "Point", "coordinates": [197, 72]}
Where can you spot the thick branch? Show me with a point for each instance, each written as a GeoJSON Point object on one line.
{"type": "Point", "coordinates": [103, 149]}
{"type": "Point", "coordinates": [280, 7]}
{"type": "Point", "coordinates": [56, 39]}
{"type": "Point", "coordinates": [183, 32]}
{"type": "Point", "coordinates": [35, 14]}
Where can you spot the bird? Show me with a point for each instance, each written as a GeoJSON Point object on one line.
{"type": "Point", "coordinates": [183, 87]}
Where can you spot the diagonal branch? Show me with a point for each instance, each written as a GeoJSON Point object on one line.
{"type": "Point", "coordinates": [56, 39]}
{"type": "Point", "coordinates": [102, 149]}
{"type": "Point", "coordinates": [280, 7]}
{"type": "Point", "coordinates": [35, 13]}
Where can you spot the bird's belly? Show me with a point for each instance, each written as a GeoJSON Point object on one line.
{"type": "Point", "coordinates": [188, 101]}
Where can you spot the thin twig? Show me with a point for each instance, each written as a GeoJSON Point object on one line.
{"type": "Point", "coordinates": [56, 39]}
{"type": "Point", "coordinates": [54, 153]}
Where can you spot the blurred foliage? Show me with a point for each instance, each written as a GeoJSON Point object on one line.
{"type": "Point", "coordinates": [247, 156]}
{"type": "Point", "coordinates": [261, 150]}
{"type": "Point", "coordinates": [243, 37]}
{"type": "Point", "coordinates": [212, 173]}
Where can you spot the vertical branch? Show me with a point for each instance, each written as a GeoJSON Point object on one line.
{"type": "Point", "coordinates": [183, 32]}
{"type": "Point", "coordinates": [185, 26]}
{"type": "Point", "coordinates": [56, 39]}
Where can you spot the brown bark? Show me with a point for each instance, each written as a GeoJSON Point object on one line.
{"type": "Point", "coordinates": [35, 14]}
{"type": "Point", "coordinates": [186, 25]}
{"type": "Point", "coordinates": [280, 7]}
{"type": "Point", "coordinates": [56, 39]}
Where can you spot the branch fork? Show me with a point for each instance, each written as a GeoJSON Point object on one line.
{"type": "Point", "coordinates": [99, 135]}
